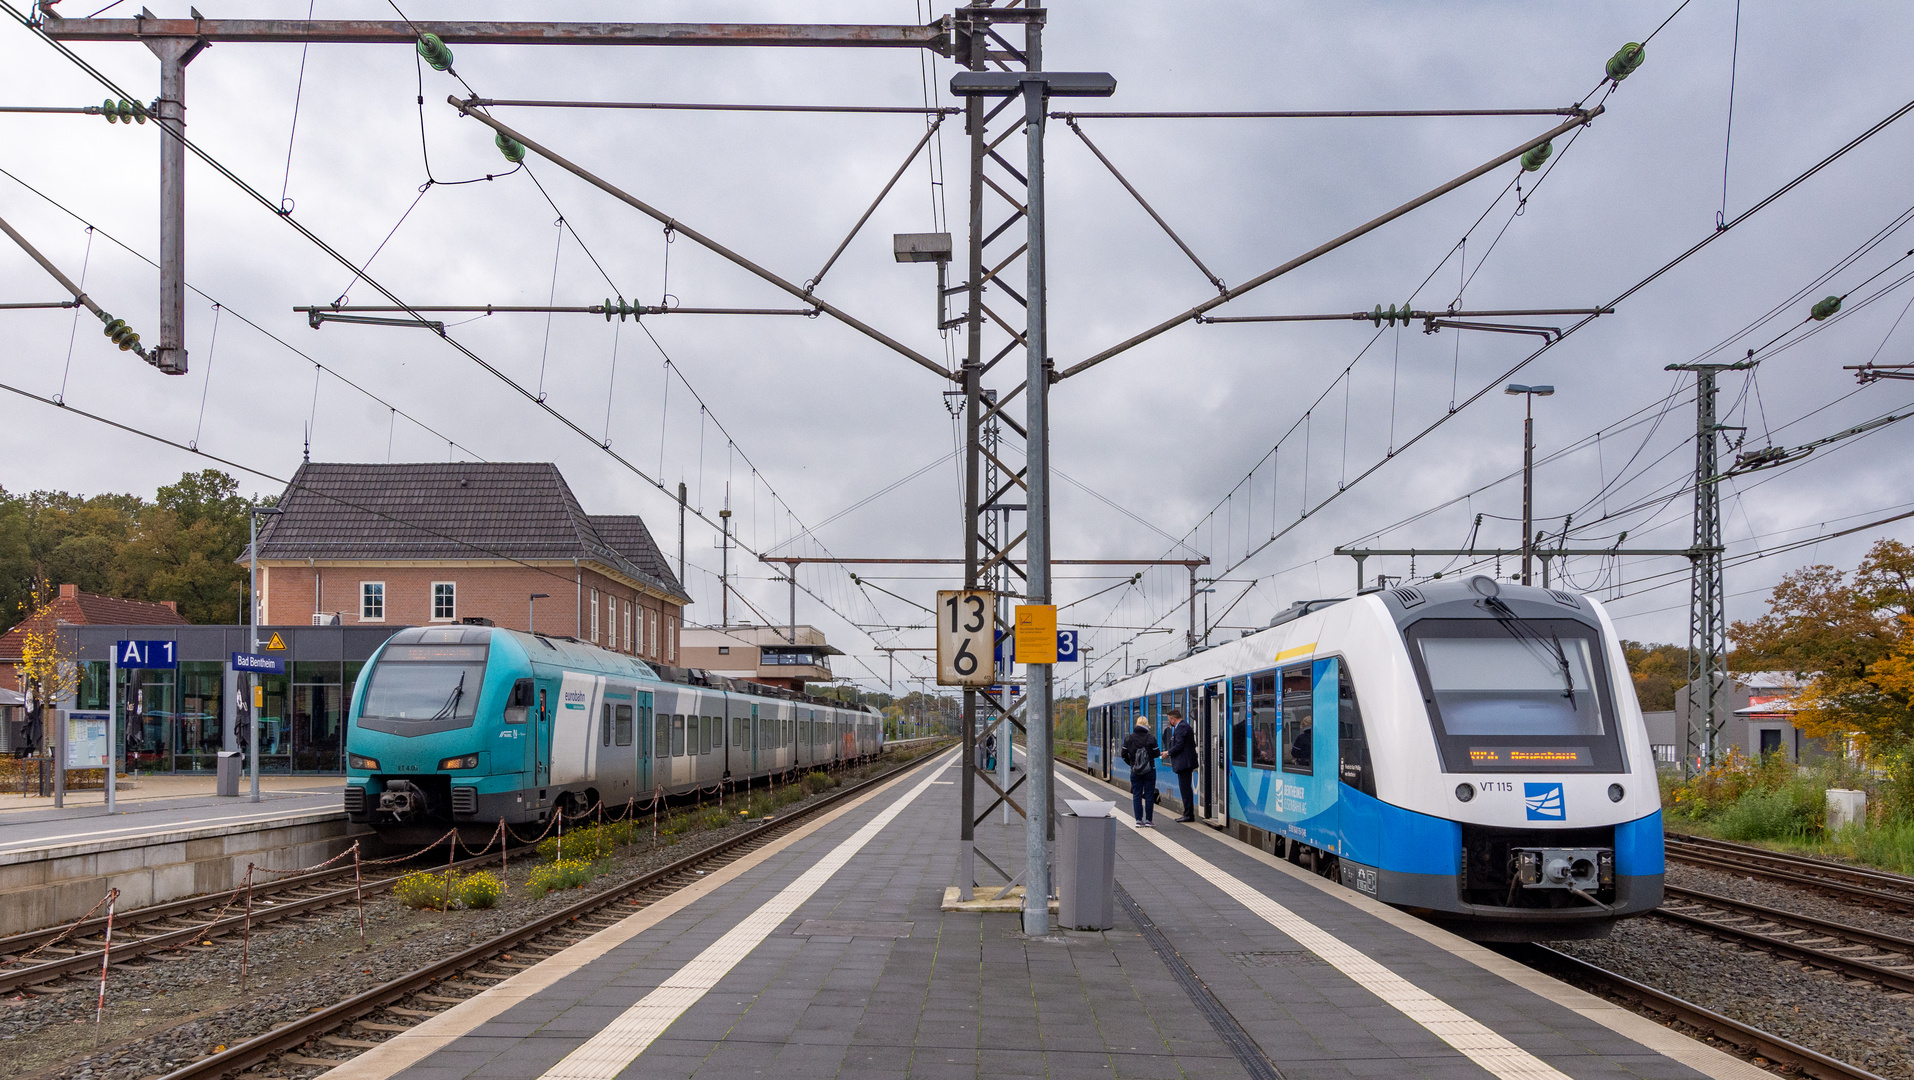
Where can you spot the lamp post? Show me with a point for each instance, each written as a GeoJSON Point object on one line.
{"type": "Point", "coordinates": [257, 698]}
{"type": "Point", "coordinates": [531, 611]}
{"type": "Point", "coordinates": [1528, 395]}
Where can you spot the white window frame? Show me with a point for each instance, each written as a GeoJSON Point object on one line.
{"type": "Point", "coordinates": [651, 634]}
{"type": "Point", "coordinates": [366, 591]}
{"type": "Point", "coordinates": [630, 645]}
{"type": "Point", "coordinates": [611, 632]}
{"type": "Point", "coordinates": [671, 639]}
{"type": "Point", "coordinates": [452, 595]}
{"type": "Point", "coordinates": [594, 616]}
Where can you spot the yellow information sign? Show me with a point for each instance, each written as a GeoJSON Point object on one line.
{"type": "Point", "coordinates": [1036, 633]}
{"type": "Point", "coordinates": [277, 644]}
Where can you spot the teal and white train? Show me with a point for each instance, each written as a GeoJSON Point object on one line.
{"type": "Point", "coordinates": [471, 725]}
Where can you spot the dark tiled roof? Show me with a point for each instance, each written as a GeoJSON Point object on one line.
{"type": "Point", "coordinates": [627, 535]}
{"type": "Point", "coordinates": [450, 510]}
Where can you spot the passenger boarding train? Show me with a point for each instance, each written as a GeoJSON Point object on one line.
{"type": "Point", "coordinates": [1468, 750]}
{"type": "Point", "coordinates": [468, 725]}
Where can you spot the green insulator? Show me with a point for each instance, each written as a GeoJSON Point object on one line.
{"type": "Point", "coordinates": [138, 111]}
{"type": "Point", "coordinates": [1826, 307]}
{"type": "Point", "coordinates": [435, 52]}
{"type": "Point", "coordinates": [129, 342]}
{"type": "Point", "coordinates": [1376, 315]}
{"type": "Point", "coordinates": [114, 326]}
{"type": "Point", "coordinates": [1625, 61]}
{"type": "Point", "coordinates": [513, 150]}
{"type": "Point", "coordinates": [1533, 160]}
{"type": "Point", "coordinates": [110, 110]}
{"type": "Point", "coordinates": [1405, 314]}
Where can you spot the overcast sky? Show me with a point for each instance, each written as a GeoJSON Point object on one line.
{"type": "Point", "coordinates": [1167, 449]}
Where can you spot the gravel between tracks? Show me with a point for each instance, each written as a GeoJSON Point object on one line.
{"type": "Point", "coordinates": [162, 1014]}
{"type": "Point", "coordinates": [1844, 1018]}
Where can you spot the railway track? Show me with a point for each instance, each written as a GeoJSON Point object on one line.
{"type": "Point", "coordinates": [29, 962]}
{"type": "Point", "coordinates": [400, 1004]}
{"type": "Point", "coordinates": [1875, 888]}
{"type": "Point", "coordinates": [1751, 1040]}
{"type": "Point", "coordinates": [1879, 958]}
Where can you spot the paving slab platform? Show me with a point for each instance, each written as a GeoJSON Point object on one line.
{"type": "Point", "coordinates": [827, 955]}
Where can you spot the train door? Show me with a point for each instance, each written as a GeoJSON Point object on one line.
{"type": "Point", "coordinates": [1111, 715]}
{"type": "Point", "coordinates": [541, 741]}
{"type": "Point", "coordinates": [642, 737]}
{"type": "Point", "coordinates": [1214, 751]}
{"type": "Point", "coordinates": [756, 735]}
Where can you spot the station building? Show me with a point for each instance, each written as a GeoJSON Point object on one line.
{"type": "Point", "coordinates": [787, 656]}
{"type": "Point", "coordinates": [359, 553]}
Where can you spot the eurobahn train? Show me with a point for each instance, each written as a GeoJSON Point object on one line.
{"type": "Point", "coordinates": [1471, 751]}
{"type": "Point", "coordinates": [468, 725]}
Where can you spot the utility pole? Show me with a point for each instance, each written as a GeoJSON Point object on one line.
{"type": "Point", "coordinates": [1528, 395]}
{"type": "Point", "coordinates": [1707, 602]}
{"type": "Point", "coordinates": [724, 561]}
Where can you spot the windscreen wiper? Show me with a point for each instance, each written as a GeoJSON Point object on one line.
{"type": "Point", "coordinates": [451, 703]}
{"type": "Point", "coordinates": [1552, 646]}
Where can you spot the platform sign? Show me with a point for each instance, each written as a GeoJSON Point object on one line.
{"type": "Point", "coordinates": [257, 664]}
{"type": "Point", "coordinates": [1036, 634]}
{"type": "Point", "coordinates": [146, 654]}
{"type": "Point", "coordinates": [86, 740]}
{"type": "Point", "coordinates": [965, 619]}
{"type": "Point", "coordinates": [1067, 647]}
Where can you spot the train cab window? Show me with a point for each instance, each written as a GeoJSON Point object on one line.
{"type": "Point", "coordinates": [1239, 721]}
{"type": "Point", "coordinates": [1262, 721]}
{"type": "Point", "coordinates": [621, 725]}
{"type": "Point", "coordinates": [1353, 742]}
{"type": "Point", "coordinates": [604, 727]}
{"type": "Point", "coordinates": [677, 735]}
{"type": "Point", "coordinates": [1299, 720]}
{"type": "Point", "coordinates": [518, 707]}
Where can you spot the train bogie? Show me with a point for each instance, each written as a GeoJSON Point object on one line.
{"type": "Point", "coordinates": [1469, 751]}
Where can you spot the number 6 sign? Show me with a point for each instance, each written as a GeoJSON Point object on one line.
{"type": "Point", "coordinates": [965, 629]}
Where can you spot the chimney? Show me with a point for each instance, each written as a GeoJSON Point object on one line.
{"type": "Point", "coordinates": [171, 605]}
{"type": "Point", "coordinates": [69, 592]}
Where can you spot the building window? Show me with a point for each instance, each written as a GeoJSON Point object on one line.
{"type": "Point", "coordinates": [630, 645]}
{"type": "Point", "coordinates": [372, 601]}
{"type": "Point", "coordinates": [724, 650]}
{"type": "Point", "coordinates": [594, 616]}
{"type": "Point", "coordinates": [611, 616]}
{"type": "Point", "coordinates": [651, 633]}
{"type": "Point", "coordinates": [445, 606]}
{"type": "Point", "coordinates": [671, 639]}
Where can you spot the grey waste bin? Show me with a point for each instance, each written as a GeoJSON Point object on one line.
{"type": "Point", "coordinates": [1086, 865]}
{"type": "Point", "coordinates": [231, 764]}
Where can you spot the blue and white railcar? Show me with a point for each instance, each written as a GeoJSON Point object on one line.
{"type": "Point", "coordinates": [1468, 750]}
{"type": "Point", "coordinates": [471, 725]}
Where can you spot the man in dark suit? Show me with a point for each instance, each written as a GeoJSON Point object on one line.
{"type": "Point", "coordinates": [1179, 750]}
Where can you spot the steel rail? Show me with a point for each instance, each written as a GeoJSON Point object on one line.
{"type": "Point", "coordinates": [1807, 873]}
{"type": "Point", "coordinates": [289, 1036]}
{"type": "Point", "coordinates": [1751, 1039]}
{"type": "Point", "coordinates": [129, 948]}
{"type": "Point", "coordinates": [1899, 979]}
{"type": "Point", "coordinates": [1856, 875]}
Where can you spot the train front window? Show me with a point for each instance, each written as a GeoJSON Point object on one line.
{"type": "Point", "coordinates": [1517, 695]}
{"type": "Point", "coordinates": [418, 688]}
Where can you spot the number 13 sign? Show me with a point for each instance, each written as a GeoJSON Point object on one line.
{"type": "Point", "coordinates": [965, 633]}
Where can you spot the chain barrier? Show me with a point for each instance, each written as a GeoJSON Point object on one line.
{"type": "Point", "coordinates": [61, 936]}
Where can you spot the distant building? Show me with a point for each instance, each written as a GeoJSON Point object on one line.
{"type": "Point", "coordinates": [75, 608]}
{"type": "Point", "coordinates": [451, 542]}
{"type": "Point", "coordinates": [1757, 711]}
{"type": "Point", "coordinates": [765, 654]}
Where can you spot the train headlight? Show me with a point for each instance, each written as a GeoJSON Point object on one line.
{"type": "Point", "coordinates": [1615, 793]}
{"type": "Point", "coordinates": [1464, 792]}
{"type": "Point", "coordinates": [468, 761]}
{"type": "Point", "coordinates": [358, 762]}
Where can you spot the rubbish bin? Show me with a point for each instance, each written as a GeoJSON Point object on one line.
{"type": "Point", "coordinates": [1086, 865]}
{"type": "Point", "coordinates": [231, 764]}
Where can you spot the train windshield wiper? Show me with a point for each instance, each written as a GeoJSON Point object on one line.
{"type": "Point", "coordinates": [451, 702]}
{"type": "Point", "coordinates": [1547, 649]}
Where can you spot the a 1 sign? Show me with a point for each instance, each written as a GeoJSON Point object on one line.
{"type": "Point", "coordinates": [965, 625]}
{"type": "Point", "coordinates": [146, 654]}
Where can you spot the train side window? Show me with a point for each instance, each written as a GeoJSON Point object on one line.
{"type": "Point", "coordinates": [1239, 722]}
{"type": "Point", "coordinates": [1262, 720]}
{"type": "Point", "coordinates": [604, 727]}
{"type": "Point", "coordinates": [621, 725]}
{"type": "Point", "coordinates": [677, 735]}
{"type": "Point", "coordinates": [1353, 744]}
{"type": "Point", "coordinates": [661, 744]}
{"type": "Point", "coordinates": [1299, 720]}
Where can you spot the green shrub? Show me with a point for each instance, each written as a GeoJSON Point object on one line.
{"type": "Point", "coordinates": [1887, 844]}
{"type": "Point", "coordinates": [590, 842]}
{"type": "Point", "coordinates": [559, 874]}
{"type": "Point", "coordinates": [1794, 811]}
{"type": "Point", "coordinates": [817, 782]}
{"type": "Point", "coordinates": [480, 890]}
{"type": "Point", "coordinates": [423, 889]}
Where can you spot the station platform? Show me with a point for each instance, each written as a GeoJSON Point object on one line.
{"type": "Point", "coordinates": [56, 862]}
{"type": "Point", "coordinates": [827, 954]}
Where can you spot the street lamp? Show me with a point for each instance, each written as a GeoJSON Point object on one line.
{"type": "Point", "coordinates": [1528, 395]}
{"type": "Point", "coordinates": [253, 514]}
{"type": "Point", "coordinates": [531, 609]}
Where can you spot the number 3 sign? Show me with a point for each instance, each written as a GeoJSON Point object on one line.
{"type": "Point", "coordinates": [965, 632]}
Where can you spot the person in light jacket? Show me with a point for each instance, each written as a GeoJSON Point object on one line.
{"type": "Point", "coordinates": [1139, 753]}
{"type": "Point", "coordinates": [1179, 749]}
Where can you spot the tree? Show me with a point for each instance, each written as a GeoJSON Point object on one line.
{"type": "Point", "coordinates": [47, 669]}
{"type": "Point", "coordinates": [1659, 672]}
{"type": "Point", "coordinates": [1849, 639]}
